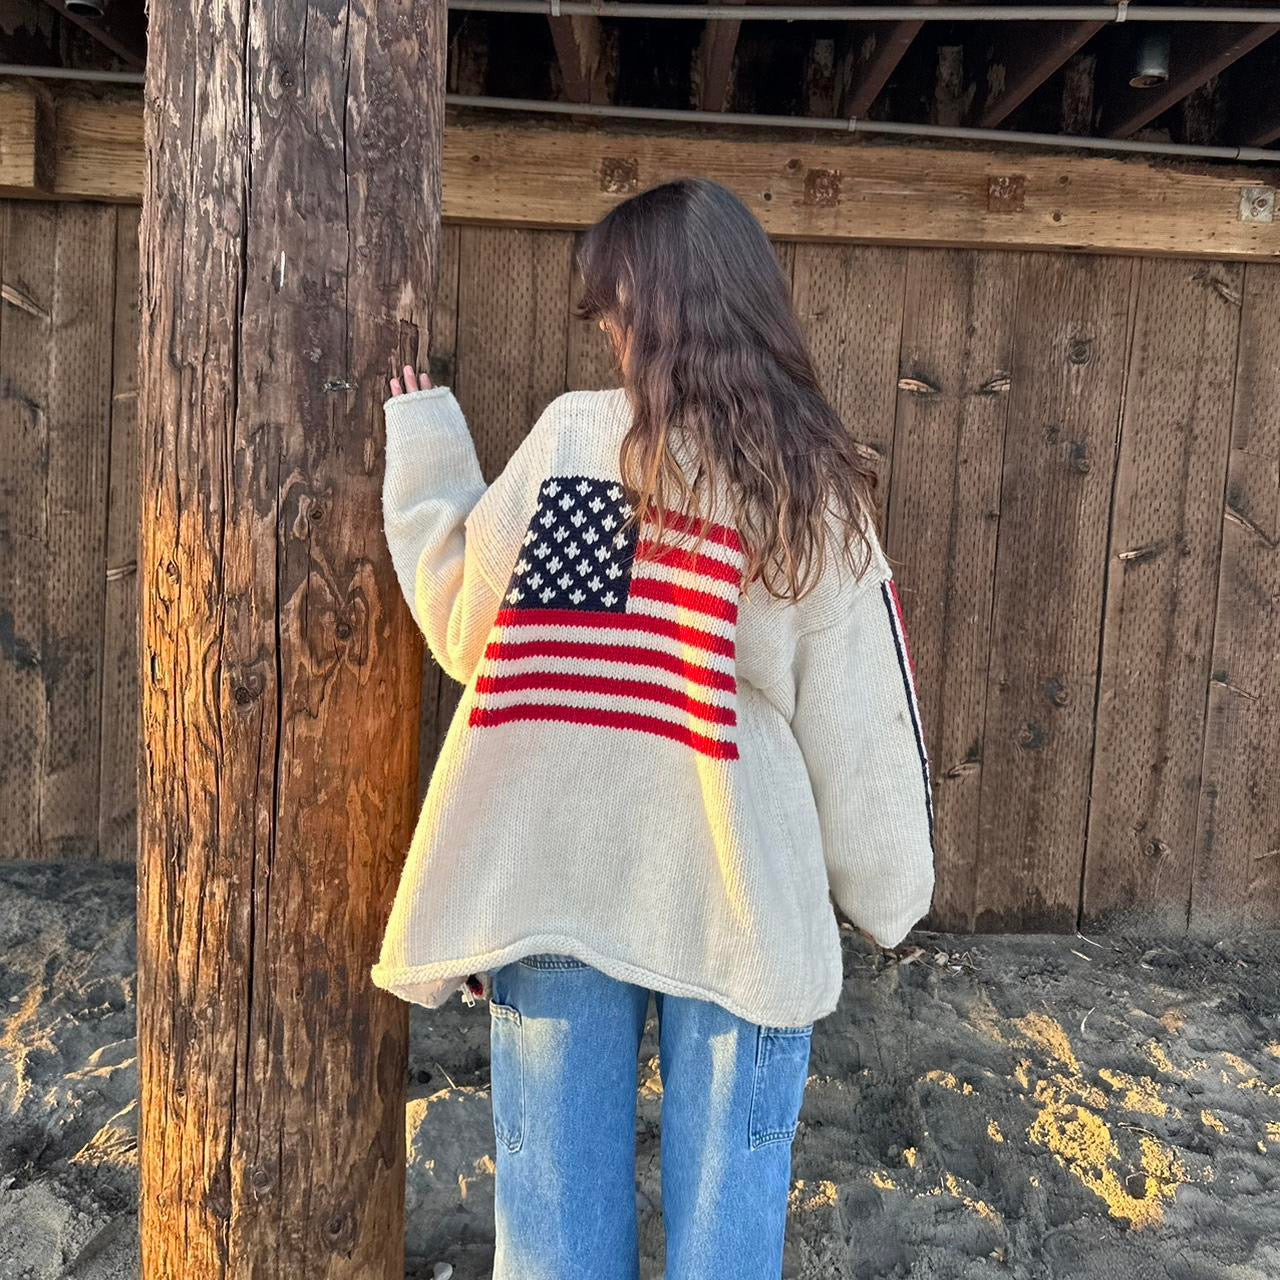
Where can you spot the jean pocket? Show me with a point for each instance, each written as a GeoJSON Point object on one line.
{"type": "Point", "coordinates": [782, 1067]}
{"type": "Point", "coordinates": [506, 1074]}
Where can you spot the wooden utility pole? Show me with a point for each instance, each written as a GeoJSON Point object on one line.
{"type": "Point", "coordinates": [289, 250]}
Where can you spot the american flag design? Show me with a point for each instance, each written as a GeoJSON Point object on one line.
{"type": "Point", "coordinates": [605, 627]}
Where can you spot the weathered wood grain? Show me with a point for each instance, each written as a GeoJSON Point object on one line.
{"type": "Point", "coordinates": [1157, 641]}
{"type": "Point", "coordinates": [952, 396]}
{"type": "Point", "coordinates": [289, 255]}
{"type": "Point", "coordinates": [1067, 381]}
{"type": "Point", "coordinates": [118, 788]}
{"type": "Point", "coordinates": [1236, 869]}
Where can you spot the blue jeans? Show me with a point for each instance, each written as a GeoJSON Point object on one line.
{"type": "Point", "coordinates": [565, 1040]}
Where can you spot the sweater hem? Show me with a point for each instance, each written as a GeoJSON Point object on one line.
{"type": "Point", "coordinates": [398, 978]}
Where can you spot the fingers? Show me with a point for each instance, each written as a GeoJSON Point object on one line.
{"type": "Point", "coordinates": [420, 381]}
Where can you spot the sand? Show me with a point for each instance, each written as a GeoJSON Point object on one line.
{"type": "Point", "coordinates": [998, 1106]}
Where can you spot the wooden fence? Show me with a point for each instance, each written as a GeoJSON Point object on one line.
{"type": "Point", "coordinates": [1080, 458]}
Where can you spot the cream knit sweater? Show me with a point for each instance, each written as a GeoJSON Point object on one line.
{"type": "Point", "coordinates": [648, 769]}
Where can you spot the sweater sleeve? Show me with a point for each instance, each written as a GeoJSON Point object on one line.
{"type": "Point", "coordinates": [431, 485]}
{"type": "Point", "coordinates": [858, 725]}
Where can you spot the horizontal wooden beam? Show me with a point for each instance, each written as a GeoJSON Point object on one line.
{"type": "Point", "coordinates": [537, 175]}
{"type": "Point", "coordinates": [838, 189]}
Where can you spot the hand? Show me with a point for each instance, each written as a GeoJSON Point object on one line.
{"type": "Point", "coordinates": [412, 382]}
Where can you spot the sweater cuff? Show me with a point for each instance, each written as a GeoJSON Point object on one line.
{"type": "Point", "coordinates": [432, 406]}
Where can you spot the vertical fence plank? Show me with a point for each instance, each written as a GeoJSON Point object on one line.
{"type": "Point", "coordinates": [1236, 873]}
{"type": "Point", "coordinates": [513, 329]}
{"type": "Point", "coordinates": [849, 302]}
{"type": "Point", "coordinates": [1059, 460]}
{"type": "Point", "coordinates": [28, 257]}
{"type": "Point", "coordinates": [117, 793]}
{"type": "Point", "coordinates": [79, 407]}
{"type": "Point", "coordinates": [943, 504]}
{"type": "Point", "coordinates": [1162, 584]}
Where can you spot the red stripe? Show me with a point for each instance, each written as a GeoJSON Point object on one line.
{"type": "Point", "coordinates": [677, 558]}
{"type": "Point", "coordinates": [902, 626]}
{"type": "Point", "coordinates": [485, 717]}
{"type": "Point", "coordinates": [684, 597]}
{"type": "Point", "coordinates": [617, 622]}
{"type": "Point", "coordinates": [719, 533]}
{"type": "Point", "coordinates": [644, 689]}
{"type": "Point", "coordinates": [630, 654]}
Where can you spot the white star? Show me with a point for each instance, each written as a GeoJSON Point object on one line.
{"type": "Point", "coordinates": [584, 486]}
{"type": "Point", "coordinates": [577, 597]}
{"type": "Point", "coordinates": [552, 489]}
{"type": "Point", "coordinates": [564, 580]}
{"type": "Point", "coordinates": [553, 564]}
{"type": "Point", "coordinates": [530, 537]}
{"type": "Point", "coordinates": [577, 518]}
{"type": "Point", "coordinates": [515, 596]}
{"type": "Point", "coordinates": [547, 520]}
{"type": "Point", "coordinates": [534, 580]}
{"type": "Point", "coordinates": [542, 551]}
{"type": "Point", "coordinates": [571, 550]}
{"type": "Point", "coordinates": [608, 522]}
{"type": "Point", "coordinates": [596, 503]}
{"type": "Point", "coordinates": [566, 502]}
{"type": "Point", "coordinates": [595, 584]}
{"type": "Point", "coordinates": [584, 566]}
{"type": "Point", "coordinates": [589, 535]}
{"type": "Point", "coordinates": [613, 571]}
{"type": "Point", "coordinates": [547, 594]}
{"type": "Point", "coordinates": [609, 599]}
{"type": "Point", "coordinates": [602, 554]}
{"type": "Point", "coordinates": [522, 565]}
{"type": "Point", "coordinates": [614, 492]}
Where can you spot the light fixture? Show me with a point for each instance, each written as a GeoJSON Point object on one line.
{"type": "Point", "coordinates": [1151, 62]}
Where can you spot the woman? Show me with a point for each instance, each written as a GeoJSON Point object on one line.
{"type": "Point", "coordinates": [689, 720]}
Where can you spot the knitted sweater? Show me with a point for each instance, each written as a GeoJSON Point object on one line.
{"type": "Point", "coordinates": [649, 769]}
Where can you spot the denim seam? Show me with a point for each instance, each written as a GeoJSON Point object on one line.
{"type": "Point", "coordinates": [769, 1136]}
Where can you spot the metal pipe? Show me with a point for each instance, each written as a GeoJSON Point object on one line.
{"type": "Point", "coordinates": [71, 73]}
{"type": "Point", "coordinates": [855, 125]}
{"type": "Point", "coordinates": [1122, 11]}
{"type": "Point", "coordinates": [1263, 155]}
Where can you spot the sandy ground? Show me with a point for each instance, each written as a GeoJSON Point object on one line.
{"type": "Point", "coordinates": [1002, 1106]}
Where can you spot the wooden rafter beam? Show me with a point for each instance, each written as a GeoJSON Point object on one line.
{"type": "Point", "coordinates": [715, 64]}
{"type": "Point", "coordinates": [870, 53]}
{"type": "Point", "coordinates": [122, 29]}
{"type": "Point", "coordinates": [538, 175]}
{"type": "Point", "coordinates": [1264, 128]}
{"type": "Point", "coordinates": [1196, 54]}
{"type": "Point", "coordinates": [578, 43]}
{"type": "Point", "coordinates": [1026, 55]}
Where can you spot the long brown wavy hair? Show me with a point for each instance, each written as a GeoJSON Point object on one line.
{"type": "Point", "coordinates": [716, 368]}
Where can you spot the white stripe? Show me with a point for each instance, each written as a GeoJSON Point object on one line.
{"type": "Point", "coordinates": [611, 671]}
{"type": "Point", "coordinates": [606, 702]}
{"type": "Point", "coordinates": [682, 614]}
{"type": "Point", "coordinates": [632, 639]}
{"type": "Point", "coordinates": [716, 550]}
{"type": "Point", "coordinates": [689, 578]}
